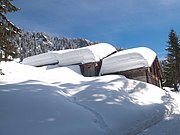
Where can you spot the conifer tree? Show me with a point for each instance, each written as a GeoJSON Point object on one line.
{"type": "Point", "coordinates": [7, 30]}
{"type": "Point", "coordinates": [172, 66]}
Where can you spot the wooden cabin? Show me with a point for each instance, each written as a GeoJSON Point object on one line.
{"type": "Point", "coordinates": [102, 59]}
{"type": "Point", "coordinates": [138, 63]}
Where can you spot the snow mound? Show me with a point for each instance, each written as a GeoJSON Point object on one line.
{"type": "Point", "coordinates": [59, 100]}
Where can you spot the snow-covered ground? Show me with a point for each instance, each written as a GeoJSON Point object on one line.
{"type": "Point", "coordinates": [55, 100]}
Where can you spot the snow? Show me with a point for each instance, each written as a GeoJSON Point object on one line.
{"type": "Point", "coordinates": [169, 125]}
{"type": "Point", "coordinates": [128, 59]}
{"type": "Point", "coordinates": [41, 59]}
{"type": "Point", "coordinates": [93, 53]}
{"type": "Point", "coordinates": [53, 100]}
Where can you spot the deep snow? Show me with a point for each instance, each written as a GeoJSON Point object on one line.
{"type": "Point", "coordinates": [128, 59]}
{"type": "Point", "coordinates": [88, 54]}
{"type": "Point", "coordinates": [56, 100]}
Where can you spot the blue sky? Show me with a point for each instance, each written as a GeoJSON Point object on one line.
{"type": "Point", "coordinates": [122, 23]}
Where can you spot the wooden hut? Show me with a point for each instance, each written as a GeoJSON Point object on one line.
{"type": "Point", "coordinates": [138, 63]}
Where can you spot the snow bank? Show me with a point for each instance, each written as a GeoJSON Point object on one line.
{"type": "Point", "coordinates": [93, 53]}
{"type": "Point", "coordinates": [50, 100]}
{"type": "Point", "coordinates": [128, 59]}
{"type": "Point", "coordinates": [169, 125]}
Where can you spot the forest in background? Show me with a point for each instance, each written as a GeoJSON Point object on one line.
{"type": "Point", "coordinates": [34, 43]}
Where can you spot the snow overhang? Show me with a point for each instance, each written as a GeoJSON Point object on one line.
{"type": "Point", "coordinates": [89, 54]}
{"type": "Point", "coordinates": [40, 60]}
{"type": "Point", "coordinates": [128, 59]}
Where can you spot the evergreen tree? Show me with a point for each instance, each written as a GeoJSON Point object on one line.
{"type": "Point", "coordinates": [172, 66]}
{"type": "Point", "coordinates": [7, 31]}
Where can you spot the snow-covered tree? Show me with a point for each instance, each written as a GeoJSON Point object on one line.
{"type": "Point", "coordinates": [7, 30]}
{"type": "Point", "coordinates": [33, 43]}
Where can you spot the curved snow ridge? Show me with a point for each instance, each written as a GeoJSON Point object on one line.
{"type": "Point", "coordinates": [169, 104]}
{"type": "Point", "coordinates": [145, 124]}
{"type": "Point", "coordinates": [171, 108]}
{"type": "Point", "coordinates": [99, 120]}
{"type": "Point", "coordinates": [169, 124]}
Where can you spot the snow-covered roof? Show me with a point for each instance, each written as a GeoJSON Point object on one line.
{"type": "Point", "coordinates": [93, 53]}
{"type": "Point", "coordinates": [128, 59]}
{"type": "Point", "coordinates": [41, 59]}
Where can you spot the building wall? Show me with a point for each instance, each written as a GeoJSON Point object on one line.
{"type": "Point", "coordinates": [155, 73]}
{"type": "Point", "coordinates": [90, 69]}
{"type": "Point", "coordinates": [136, 74]}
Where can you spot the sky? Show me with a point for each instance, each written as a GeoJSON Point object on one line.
{"type": "Point", "coordinates": [125, 24]}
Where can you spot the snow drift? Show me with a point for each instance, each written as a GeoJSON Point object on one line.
{"type": "Point", "coordinates": [60, 101]}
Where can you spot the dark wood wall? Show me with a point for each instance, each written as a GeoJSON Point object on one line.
{"type": "Point", "coordinates": [91, 69]}
{"type": "Point", "coordinates": [151, 74]}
